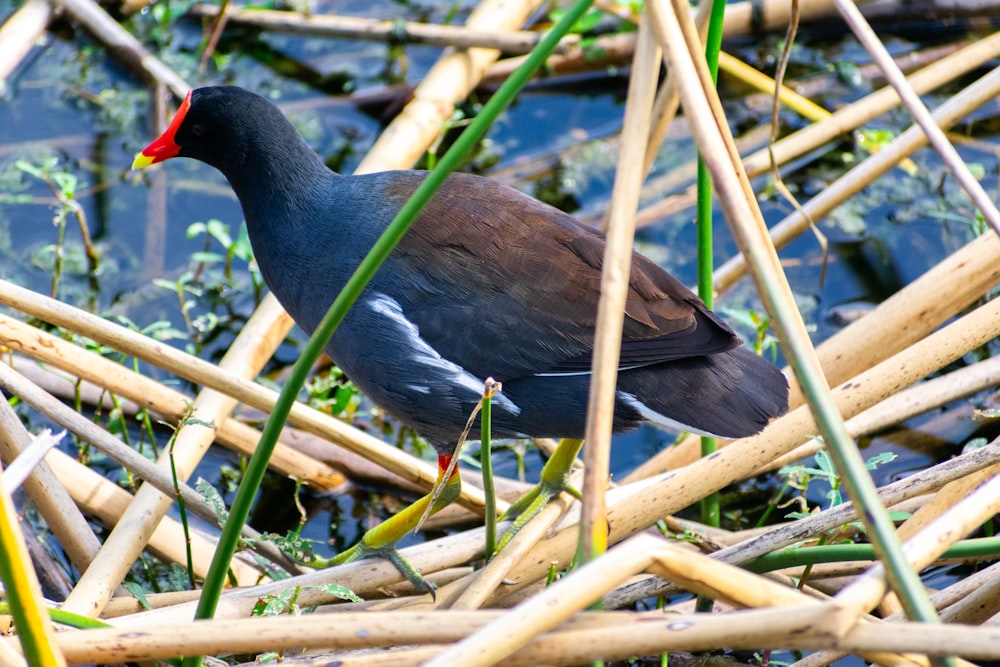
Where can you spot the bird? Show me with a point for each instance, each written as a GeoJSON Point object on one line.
{"type": "Point", "coordinates": [488, 282]}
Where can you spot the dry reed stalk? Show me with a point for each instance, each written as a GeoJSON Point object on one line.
{"type": "Point", "coordinates": [106, 502]}
{"type": "Point", "coordinates": [901, 320]}
{"type": "Point", "coordinates": [10, 657]}
{"type": "Point", "coordinates": [615, 271]}
{"type": "Point", "coordinates": [852, 116]}
{"type": "Point", "coordinates": [935, 136]}
{"type": "Point", "coordinates": [607, 635]}
{"type": "Point", "coordinates": [48, 495]}
{"type": "Point", "coordinates": [20, 33]}
{"type": "Point", "coordinates": [209, 375]}
{"type": "Point", "coordinates": [923, 482]}
{"type": "Point", "coordinates": [969, 601]}
{"type": "Point", "coordinates": [638, 505]}
{"type": "Point", "coordinates": [395, 32]}
{"type": "Point", "coordinates": [448, 82]}
{"type": "Point", "coordinates": [480, 585]}
{"type": "Point", "coordinates": [546, 610]}
{"type": "Point", "coordinates": [23, 586]}
{"type": "Point", "coordinates": [929, 395]}
{"type": "Point", "coordinates": [366, 578]}
{"type": "Point", "coordinates": [765, 84]}
{"type": "Point", "coordinates": [749, 18]}
{"type": "Point", "coordinates": [914, 400]}
{"type": "Point", "coordinates": [168, 404]}
{"type": "Point", "coordinates": [17, 385]}
{"type": "Point", "coordinates": [604, 51]}
{"type": "Point", "coordinates": [972, 603]}
{"type": "Point", "coordinates": [247, 355]}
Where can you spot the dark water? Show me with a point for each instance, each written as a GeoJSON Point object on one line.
{"type": "Point", "coordinates": [69, 101]}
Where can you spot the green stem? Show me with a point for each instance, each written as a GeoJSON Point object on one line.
{"type": "Point", "coordinates": [257, 466]}
{"type": "Point", "coordinates": [486, 463]}
{"type": "Point", "coordinates": [710, 511]}
{"type": "Point", "coordinates": [984, 548]}
{"type": "Point", "coordinates": [710, 504]}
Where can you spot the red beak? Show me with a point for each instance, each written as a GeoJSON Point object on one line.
{"type": "Point", "coordinates": [164, 147]}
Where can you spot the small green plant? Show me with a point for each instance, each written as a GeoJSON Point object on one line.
{"type": "Point", "coordinates": [64, 185]}
{"type": "Point", "coordinates": [333, 393]}
{"type": "Point", "coordinates": [764, 343]}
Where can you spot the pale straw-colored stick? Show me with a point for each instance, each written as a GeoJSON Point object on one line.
{"type": "Point", "coordinates": [22, 586]}
{"type": "Point", "coordinates": [966, 601]}
{"type": "Point", "coordinates": [9, 657]}
{"type": "Point", "coordinates": [557, 603]}
{"type": "Point", "coordinates": [584, 638]}
{"type": "Point", "coordinates": [949, 156]}
{"type": "Point", "coordinates": [365, 577]}
{"type": "Point", "coordinates": [778, 537]}
{"type": "Point", "coordinates": [912, 401]}
{"type": "Point", "coordinates": [165, 402]}
{"type": "Point", "coordinates": [928, 395]}
{"type": "Point", "coordinates": [482, 583]}
{"type": "Point", "coordinates": [49, 496]}
{"type": "Point", "coordinates": [941, 502]}
{"type": "Point", "coordinates": [122, 44]}
{"type": "Point", "coordinates": [546, 610]}
{"type": "Point", "coordinates": [248, 353]}
{"type": "Point", "coordinates": [615, 271]}
{"type": "Point", "coordinates": [855, 114]}
{"type": "Point", "coordinates": [17, 385]}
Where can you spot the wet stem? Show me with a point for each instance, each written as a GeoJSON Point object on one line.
{"type": "Point", "coordinates": [62, 186]}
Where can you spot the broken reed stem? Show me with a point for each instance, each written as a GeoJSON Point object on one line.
{"type": "Point", "coordinates": [122, 44]}
{"type": "Point", "coordinates": [48, 494]}
{"type": "Point", "coordinates": [106, 502]}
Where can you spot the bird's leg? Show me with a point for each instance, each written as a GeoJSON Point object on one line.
{"type": "Point", "coordinates": [381, 540]}
{"type": "Point", "coordinates": [552, 482]}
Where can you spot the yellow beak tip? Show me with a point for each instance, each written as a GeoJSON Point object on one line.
{"type": "Point", "coordinates": [141, 161]}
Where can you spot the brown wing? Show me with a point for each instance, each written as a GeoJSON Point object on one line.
{"type": "Point", "coordinates": [528, 275]}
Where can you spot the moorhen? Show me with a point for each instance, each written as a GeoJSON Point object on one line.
{"type": "Point", "coordinates": [488, 282]}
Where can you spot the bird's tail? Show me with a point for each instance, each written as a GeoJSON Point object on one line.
{"type": "Point", "coordinates": [732, 394]}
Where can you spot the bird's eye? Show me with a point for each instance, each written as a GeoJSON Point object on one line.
{"type": "Point", "coordinates": [199, 130]}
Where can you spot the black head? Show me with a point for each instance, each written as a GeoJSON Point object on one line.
{"type": "Point", "coordinates": [222, 126]}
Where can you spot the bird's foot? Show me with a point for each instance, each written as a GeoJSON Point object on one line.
{"type": "Point", "coordinates": [554, 480]}
{"type": "Point", "coordinates": [381, 540]}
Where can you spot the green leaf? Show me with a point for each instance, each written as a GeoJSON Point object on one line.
{"type": "Point", "coordinates": [135, 590]}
